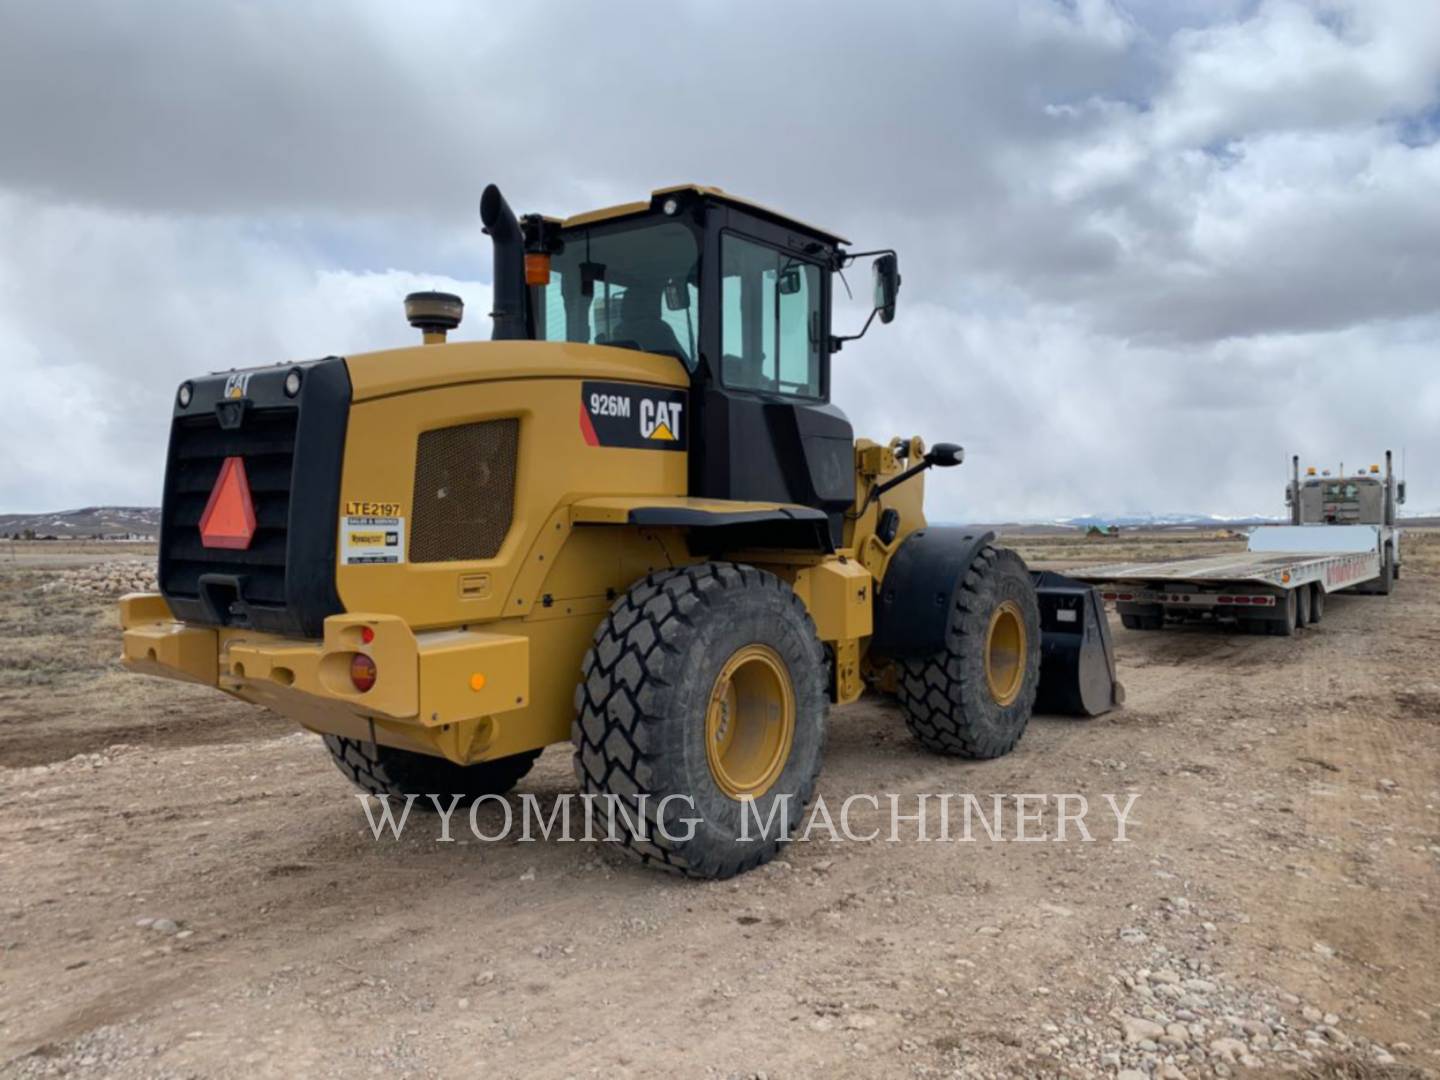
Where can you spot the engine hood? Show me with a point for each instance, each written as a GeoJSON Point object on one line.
{"type": "Point", "coordinates": [424, 367]}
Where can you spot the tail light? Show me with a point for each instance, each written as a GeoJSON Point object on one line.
{"type": "Point", "coordinates": [362, 672]}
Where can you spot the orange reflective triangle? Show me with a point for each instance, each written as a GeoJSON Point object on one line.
{"type": "Point", "coordinates": [229, 518]}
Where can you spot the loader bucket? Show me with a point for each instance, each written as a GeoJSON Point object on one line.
{"type": "Point", "coordinates": [1077, 658]}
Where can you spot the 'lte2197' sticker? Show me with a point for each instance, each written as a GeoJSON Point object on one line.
{"type": "Point", "coordinates": [634, 417]}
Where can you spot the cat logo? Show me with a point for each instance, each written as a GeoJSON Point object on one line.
{"type": "Point", "coordinates": [631, 416]}
{"type": "Point", "coordinates": [237, 384]}
{"type": "Point", "coordinates": [660, 419]}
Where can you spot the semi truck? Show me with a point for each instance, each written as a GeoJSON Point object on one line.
{"type": "Point", "coordinates": [1342, 537]}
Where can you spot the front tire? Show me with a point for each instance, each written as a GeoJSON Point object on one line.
{"type": "Point", "coordinates": [384, 770]}
{"type": "Point", "coordinates": [705, 687]}
{"type": "Point", "coordinates": [973, 698]}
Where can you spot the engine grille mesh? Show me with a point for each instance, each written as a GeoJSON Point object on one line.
{"type": "Point", "coordinates": [464, 491]}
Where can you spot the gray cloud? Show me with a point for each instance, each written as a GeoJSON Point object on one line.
{"type": "Point", "coordinates": [1148, 249]}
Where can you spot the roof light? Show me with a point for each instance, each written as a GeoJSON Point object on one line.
{"type": "Point", "coordinates": [184, 396]}
{"type": "Point", "coordinates": [671, 207]}
{"type": "Point", "coordinates": [292, 382]}
{"type": "Point", "coordinates": [1374, 468]}
{"type": "Point", "coordinates": [537, 268]}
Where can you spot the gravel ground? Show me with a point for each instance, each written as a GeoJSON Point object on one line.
{"type": "Point", "coordinates": [188, 887]}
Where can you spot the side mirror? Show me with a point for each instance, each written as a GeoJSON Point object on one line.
{"type": "Point", "coordinates": [1288, 496]}
{"type": "Point", "coordinates": [1400, 493]}
{"type": "Point", "coordinates": [677, 296]}
{"type": "Point", "coordinates": [789, 283]}
{"type": "Point", "coordinates": [944, 455]}
{"type": "Point", "coordinates": [887, 286]}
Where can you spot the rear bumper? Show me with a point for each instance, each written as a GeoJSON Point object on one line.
{"type": "Point", "coordinates": [443, 692]}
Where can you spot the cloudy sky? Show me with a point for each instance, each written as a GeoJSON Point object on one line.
{"type": "Point", "coordinates": [1149, 247]}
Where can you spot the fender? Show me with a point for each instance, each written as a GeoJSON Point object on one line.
{"type": "Point", "coordinates": [915, 599]}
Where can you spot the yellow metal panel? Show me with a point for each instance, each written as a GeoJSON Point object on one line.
{"type": "Point", "coordinates": [138, 608]}
{"type": "Point", "coordinates": [469, 674]}
{"type": "Point", "coordinates": [838, 594]}
{"type": "Point", "coordinates": [554, 467]}
{"type": "Point", "coordinates": [172, 650]}
{"type": "Point", "coordinates": [427, 367]}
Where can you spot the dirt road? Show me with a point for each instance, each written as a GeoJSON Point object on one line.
{"type": "Point", "coordinates": [189, 888]}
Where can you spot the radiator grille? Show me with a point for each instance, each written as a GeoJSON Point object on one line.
{"type": "Point", "coordinates": [198, 447]}
{"type": "Point", "coordinates": [464, 491]}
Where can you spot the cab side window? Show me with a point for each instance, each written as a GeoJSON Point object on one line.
{"type": "Point", "coordinates": [769, 320]}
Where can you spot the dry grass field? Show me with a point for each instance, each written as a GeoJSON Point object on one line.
{"type": "Point", "coordinates": [188, 887]}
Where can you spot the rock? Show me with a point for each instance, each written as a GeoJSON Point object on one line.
{"type": "Point", "coordinates": [1331, 1018]}
{"type": "Point", "coordinates": [1228, 1049]}
{"type": "Point", "coordinates": [1133, 935]}
{"type": "Point", "coordinates": [528, 875]}
{"type": "Point", "coordinates": [1199, 986]}
{"type": "Point", "coordinates": [1130, 1074]}
{"type": "Point", "coordinates": [1321, 949]}
{"type": "Point", "coordinates": [1311, 1014]}
{"type": "Point", "coordinates": [164, 926]}
{"type": "Point", "coordinates": [1179, 1032]}
{"type": "Point", "coordinates": [146, 922]}
{"type": "Point", "coordinates": [823, 866]}
{"type": "Point", "coordinates": [1165, 976]}
{"type": "Point", "coordinates": [1137, 1028]}
{"type": "Point", "coordinates": [1386, 784]}
{"type": "Point", "coordinates": [860, 1022]}
{"type": "Point", "coordinates": [988, 931]}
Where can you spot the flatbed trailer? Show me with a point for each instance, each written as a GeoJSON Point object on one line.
{"type": "Point", "coordinates": [1276, 586]}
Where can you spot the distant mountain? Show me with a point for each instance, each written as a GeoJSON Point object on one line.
{"type": "Point", "coordinates": [1160, 521]}
{"type": "Point", "coordinates": [90, 521]}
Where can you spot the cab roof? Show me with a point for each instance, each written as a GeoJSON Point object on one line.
{"type": "Point", "coordinates": [609, 213]}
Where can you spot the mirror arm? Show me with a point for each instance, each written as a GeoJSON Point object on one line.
{"type": "Point", "coordinates": [837, 340]}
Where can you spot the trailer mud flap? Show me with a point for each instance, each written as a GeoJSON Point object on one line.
{"type": "Point", "coordinates": [1077, 657]}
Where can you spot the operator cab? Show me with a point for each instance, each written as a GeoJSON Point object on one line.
{"type": "Point", "coordinates": [739, 295]}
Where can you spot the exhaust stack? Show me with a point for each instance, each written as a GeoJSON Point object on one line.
{"type": "Point", "coordinates": [509, 273]}
{"type": "Point", "coordinates": [1389, 490]}
{"type": "Point", "coordinates": [1295, 489]}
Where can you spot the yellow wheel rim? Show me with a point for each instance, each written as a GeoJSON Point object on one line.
{"type": "Point", "coordinates": [1005, 652]}
{"type": "Point", "coordinates": [750, 722]}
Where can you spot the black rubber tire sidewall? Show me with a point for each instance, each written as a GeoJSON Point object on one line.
{"type": "Point", "coordinates": [641, 708]}
{"type": "Point", "coordinates": [385, 770]}
{"type": "Point", "coordinates": [947, 701]}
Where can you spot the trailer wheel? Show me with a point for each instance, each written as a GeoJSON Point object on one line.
{"type": "Point", "coordinates": [1317, 602]}
{"type": "Point", "coordinates": [974, 698]}
{"type": "Point", "coordinates": [1285, 625]}
{"type": "Point", "coordinates": [384, 770]}
{"type": "Point", "coordinates": [1140, 620]}
{"type": "Point", "coordinates": [704, 689]}
{"type": "Point", "coordinates": [1302, 604]}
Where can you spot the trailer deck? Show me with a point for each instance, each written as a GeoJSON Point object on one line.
{"type": "Point", "coordinates": [1282, 579]}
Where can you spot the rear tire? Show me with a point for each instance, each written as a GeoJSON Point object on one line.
{"type": "Point", "coordinates": [1317, 603]}
{"type": "Point", "coordinates": [956, 703]}
{"type": "Point", "coordinates": [685, 693]}
{"type": "Point", "coordinates": [384, 770]}
{"type": "Point", "coordinates": [1387, 573]}
{"type": "Point", "coordinates": [1302, 606]}
{"type": "Point", "coordinates": [1285, 625]}
{"type": "Point", "coordinates": [1131, 622]}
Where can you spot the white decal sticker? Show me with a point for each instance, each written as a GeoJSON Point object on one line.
{"type": "Point", "coordinates": [372, 540]}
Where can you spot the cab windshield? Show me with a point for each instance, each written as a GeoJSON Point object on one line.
{"type": "Point", "coordinates": [634, 288]}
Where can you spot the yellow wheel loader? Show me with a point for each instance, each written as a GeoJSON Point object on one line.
{"type": "Point", "coordinates": [632, 521]}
